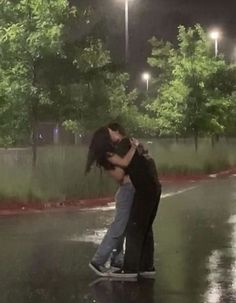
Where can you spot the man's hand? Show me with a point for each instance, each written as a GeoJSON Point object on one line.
{"type": "Point", "coordinates": [142, 150]}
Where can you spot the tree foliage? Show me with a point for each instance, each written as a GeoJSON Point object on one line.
{"type": "Point", "coordinates": [193, 90]}
{"type": "Point", "coordinates": [49, 73]}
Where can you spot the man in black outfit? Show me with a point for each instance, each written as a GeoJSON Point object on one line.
{"type": "Point", "coordinates": [139, 254]}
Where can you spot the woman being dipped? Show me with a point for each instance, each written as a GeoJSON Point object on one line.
{"type": "Point", "coordinates": [142, 172]}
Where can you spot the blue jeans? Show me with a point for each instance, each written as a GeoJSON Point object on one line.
{"type": "Point", "coordinates": [113, 240]}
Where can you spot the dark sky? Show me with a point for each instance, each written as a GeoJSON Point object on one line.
{"type": "Point", "coordinates": [161, 18]}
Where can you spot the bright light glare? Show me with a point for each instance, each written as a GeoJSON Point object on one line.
{"type": "Point", "coordinates": [146, 76]}
{"type": "Point", "coordinates": [215, 35]}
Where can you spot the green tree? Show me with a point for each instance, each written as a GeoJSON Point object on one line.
{"type": "Point", "coordinates": [29, 31]}
{"type": "Point", "coordinates": [192, 95]}
{"type": "Point", "coordinates": [59, 76]}
{"type": "Point", "coordinates": [88, 90]}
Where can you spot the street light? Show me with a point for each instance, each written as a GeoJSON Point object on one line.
{"type": "Point", "coordinates": [146, 77]}
{"type": "Point", "coordinates": [215, 35]}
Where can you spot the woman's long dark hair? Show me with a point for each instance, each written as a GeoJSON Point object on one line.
{"type": "Point", "coordinates": [99, 148]}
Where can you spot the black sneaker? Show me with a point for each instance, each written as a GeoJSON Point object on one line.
{"type": "Point", "coordinates": [99, 269]}
{"type": "Point", "coordinates": [116, 266]}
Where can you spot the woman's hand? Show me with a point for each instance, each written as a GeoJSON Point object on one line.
{"type": "Point", "coordinates": [134, 142]}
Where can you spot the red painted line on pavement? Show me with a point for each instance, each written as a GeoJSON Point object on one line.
{"type": "Point", "coordinates": [13, 206]}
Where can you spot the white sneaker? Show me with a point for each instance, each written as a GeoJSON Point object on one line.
{"type": "Point", "coordinates": [100, 270]}
{"type": "Point", "coordinates": [148, 274]}
{"type": "Point", "coordinates": [121, 275]}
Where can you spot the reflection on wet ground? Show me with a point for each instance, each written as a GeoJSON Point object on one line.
{"type": "Point", "coordinates": [128, 292]}
{"type": "Point", "coordinates": [44, 257]}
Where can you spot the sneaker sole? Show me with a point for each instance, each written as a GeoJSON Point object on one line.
{"type": "Point", "coordinates": [99, 273]}
{"type": "Point", "coordinates": [148, 274]}
{"type": "Point", "coordinates": [122, 276]}
{"type": "Point", "coordinates": [126, 279]}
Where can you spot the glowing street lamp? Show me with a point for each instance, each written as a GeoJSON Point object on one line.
{"type": "Point", "coordinates": [215, 35]}
{"type": "Point", "coordinates": [146, 77]}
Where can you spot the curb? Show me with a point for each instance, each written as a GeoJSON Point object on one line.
{"type": "Point", "coordinates": [15, 207]}
{"type": "Point", "coordinates": [198, 177]}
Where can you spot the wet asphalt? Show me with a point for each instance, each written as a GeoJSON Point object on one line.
{"type": "Point", "coordinates": [44, 256]}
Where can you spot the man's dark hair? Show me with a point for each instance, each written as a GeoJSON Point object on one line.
{"type": "Point", "coordinates": [117, 127]}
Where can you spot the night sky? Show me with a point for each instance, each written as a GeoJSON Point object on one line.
{"type": "Point", "coordinates": [161, 18]}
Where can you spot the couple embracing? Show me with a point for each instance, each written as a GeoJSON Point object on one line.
{"type": "Point", "coordinates": [137, 201]}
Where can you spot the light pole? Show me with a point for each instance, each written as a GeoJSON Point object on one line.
{"type": "Point", "coordinates": [234, 55]}
{"type": "Point", "coordinates": [215, 36]}
{"type": "Point", "coordinates": [146, 77]}
{"type": "Point", "coordinates": [126, 2]}
{"type": "Point", "coordinates": [126, 30]}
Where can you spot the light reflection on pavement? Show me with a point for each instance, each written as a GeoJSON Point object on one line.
{"type": "Point", "coordinates": [44, 257]}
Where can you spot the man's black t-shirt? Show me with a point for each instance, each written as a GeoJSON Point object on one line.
{"type": "Point", "coordinates": [142, 169]}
